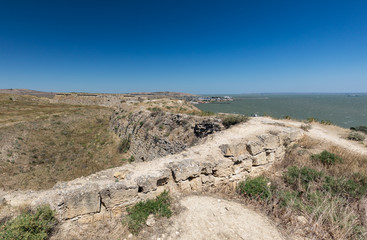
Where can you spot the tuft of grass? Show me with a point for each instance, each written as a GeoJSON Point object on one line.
{"type": "Point", "coordinates": [138, 214]}
{"type": "Point", "coordinates": [30, 225]}
{"type": "Point", "coordinates": [326, 122]}
{"type": "Point", "coordinates": [124, 145]}
{"type": "Point", "coordinates": [255, 188]}
{"type": "Point", "coordinates": [312, 119]}
{"type": "Point", "coordinates": [327, 158]}
{"type": "Point", "coordinates": [230, 120]}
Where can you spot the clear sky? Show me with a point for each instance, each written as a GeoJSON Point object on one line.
{"type": "Point", "coordinates": [187, 46]}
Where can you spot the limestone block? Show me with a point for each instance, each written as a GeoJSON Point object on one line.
{"type": "Point", "coordinates": [223, 169]}
{"type": "Point", "coordinates": [185, 169]}
{"type": "Point", "coordinates": [185, 186]}
{"type": "Point", "coordinates": [226, 150]}
{"type": "Point", "coordinates": [150, 181]}
{"type": "Point", "coordinates": [279, 153]}
{"type": "Point", "coordinates": [270, 157]}
{"type": "Point", "coordinates": [207, 179]}
{"type": "Point", "coordinates": [81, 201]}
{"type": "Point", "coordinates": [255, 147]}
{"type": "Point", "coordinates": [270, 141]}
{"type": "Point", "coordinates": [196, 184]}
{"type": "Point", "coordinates": [207, 167]}
{"type": "Point", "coordinates": [245, 165]}
{"type": "Point", "coordinates": [118, 194]}
{"type": "Point", "coordinates": [259, 159]}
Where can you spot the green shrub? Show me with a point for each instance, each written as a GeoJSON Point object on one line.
{"type": "Point", "coordinates": [326, 122]}
{"type": "Point", "coordinates": [138, 214]}
{"type": "Point", "coordinates": [255, 188]}
{"type": "Point", "coordinates": [230, 120]}
{"type": "Point", "coordinates": [360, 129]}
{"type": "Point", "coordinates": [287, 117]}
{"type": "Point", "coordinates": [312, 119]}
{"type": "Point", "coordinates": [355, 187]}
{"type": "Point", "coordinates": [356, 136]}
{"type": "Point", "coordinates": [327, 158]}
{"type": "Point", "coordinates": [202, 113]}
{"type": "Point", "coordinates": [124, 145]}
{"type": "Point", "coordinates": [304, 176]}
{"type": "Point", "coordinates": [306, 127]}
{"type": "Point", "coordinates": [131, 159]}
{"type": "Point", "coordinates": [30, 225]}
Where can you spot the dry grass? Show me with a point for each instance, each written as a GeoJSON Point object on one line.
{"type": "Point", "coordinates": [332, 210]}
{"type": "Point", "coordinates": [43, 143]}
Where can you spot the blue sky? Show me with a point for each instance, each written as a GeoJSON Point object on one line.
{"type": "Point", "coordinates": [187, 46]}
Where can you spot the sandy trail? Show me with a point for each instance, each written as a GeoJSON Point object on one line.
{"type": "Point", "coordinates": [206, 217]}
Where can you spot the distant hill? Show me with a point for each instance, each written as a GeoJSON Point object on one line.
{"type": "Point", "coordinates": [170, 94]}
{"type": "Point", "coordinates": [18, 91]}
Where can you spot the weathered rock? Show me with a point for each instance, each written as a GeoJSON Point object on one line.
{"type": "Point", "coordinates": [156, 134]}
{"type": "Point", "coordinates": [226, 150]}
{"type": "Point", "coordinates": [270, 141]}
{"type": "Point", "coordinates": [233, 149]}
{"type": "Point", "coordinates": [121, 175]}
{"type": "Point", "coordinates": [118, 194]}
{"type": "Point", "coordinates": [270, 156]}
{"type": "Point", "coordinates": [185, 169]}
{"type": "Point", "coordinates": [80, 201]}
{"type": "Point", "coordinates": [196, 184]}
{"type": "Point", "coordinates": [259, 159]}
{"type": "Point", "coordinates": [245, 165]}
{"type": "Point", "coordinates": [224, 168]}
{"type": "Point", "coordinates": [205, 128]}
{"type": "Point", "coordinates": [255, 147]}
{"type": "Point", "coordinates": [150, 221]}
{"type": "Point", "coordinates": [150, 181]}
{"type": "Point", "coordinates": [185, 186]}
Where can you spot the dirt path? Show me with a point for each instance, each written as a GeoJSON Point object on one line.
{"type": "Point", "coordinates": [206, 217]}
{"type": "Point", "coordinates": [334, 135]}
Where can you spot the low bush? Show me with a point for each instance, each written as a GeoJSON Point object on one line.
{"type": "Point", "coordinates": [306, 127]}
{"type": "Point", "coordinates": [138, 214]}
{"type": "Point", "coordinates": [312, 119]}
{"type": "Point", "coordinates": [355, 187]}
{"type": "Point", "coordinates": [360, 129]}
{"type": "Point", "coordinates": [230, 120]}
{"type": "Point", "coordinates": [356, 136]}
{"type": "Point", "coordinates": [327, 158]}
{"type": "Point", "coordinates": [30, 225]}
{"type": "Point", "coordinates": [202, 113]}
{"type": "Point", "coordinates": [302, 176]}
{"type": "Point", "coordinates": [255, 188]}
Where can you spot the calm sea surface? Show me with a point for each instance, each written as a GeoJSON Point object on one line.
{"type": "Point", "coordinates": [346, 110]}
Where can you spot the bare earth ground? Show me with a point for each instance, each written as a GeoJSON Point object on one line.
{"type": "Point", "coordinates": [205, 217]}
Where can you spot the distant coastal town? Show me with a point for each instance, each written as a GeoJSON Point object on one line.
{"type": "Point", "coordinates": [210, 99]}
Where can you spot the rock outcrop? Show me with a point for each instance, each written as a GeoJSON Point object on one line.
{"type": "Point", "coordinates": [220, 162]}
{"type": "Point", "coordinates": [148, 135]}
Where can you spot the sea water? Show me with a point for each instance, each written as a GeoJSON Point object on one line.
{"type": "Point", "coordinates": [345, 110]}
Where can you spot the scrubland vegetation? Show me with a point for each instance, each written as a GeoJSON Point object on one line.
{"type": "Point", "coordinates": [43, 143]}
{"type": "Point", "coordinates": [326, 188]}
{"type": "Point", "coordinates": [30, 225]}
{"type": "Point", "coordinates": [139, 213]}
